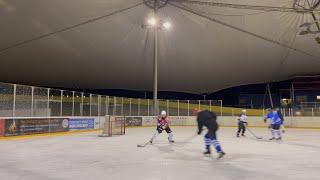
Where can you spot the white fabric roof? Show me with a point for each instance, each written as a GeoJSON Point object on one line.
{"type": "Point", "coordinates": [51, 43]}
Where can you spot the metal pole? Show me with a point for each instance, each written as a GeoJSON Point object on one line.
{"type": "Point", "coordinates": [107, 105]}
{"type": "Point", "coordinates": [148, 107]}
{"type": "Point", "coordinates": [199, 105]}
{"type": "Point", "coordinates": [129, 106]}
{"type": "Point", "coordinates": [90, 101]}
{"type": "Point", "coordinates": [178, 108]}
{"type": "Point", "coordinates": [122, 106]}
{"type": "Point", "coordinates": [210, 105]}
{"type": "Point", "coordinates": [270, 96]}
{"type": "Point", "coordinates": [48, 102]}
{"type": "Point", "coordinates": [14, 100]}
{"type": "Point", "coordinates": [155, 69]}
{"type": "Point", "coordinates": [168, 107]}
{"type": "Point", "coordinates": [220, 107]}
{"type": "Point", "coordinates": [188, 107]}
{"type": "Point", "coordinates": [114, 105]}
{"type": "Point", "coordinates": [81, 106]}
{"type": "Point", "coordinates": [61, 100]}
{"type": "Point", "coordinates": [292, 96]}
{"type": "Point", "coordinates": [139, 107]}
{"type": "Point", "coordinates": [32, 100]}
{"type": "Point", "coordinates": [99, 105]}
{"type": "Point", "coordinates": [73, 103]}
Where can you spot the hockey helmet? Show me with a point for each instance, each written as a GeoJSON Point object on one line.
{"type": "Point", "coordinates": [163, 114]}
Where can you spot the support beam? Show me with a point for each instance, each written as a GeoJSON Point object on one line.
{"type": "Point", "coordinates": [270, 95]}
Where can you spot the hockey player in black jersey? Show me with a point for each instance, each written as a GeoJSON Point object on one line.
{"type": "Point", "coordinates": [209, 119]}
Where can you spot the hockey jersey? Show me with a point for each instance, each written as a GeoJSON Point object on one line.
{"type": "Point", "coordinates": [274, 118]}
{"type": "Point", "coordinates": [208, 119]}
{"type": "Point", "coordinates": [242, 118]}
{"type": "Point", "coordinates": [163, 121]}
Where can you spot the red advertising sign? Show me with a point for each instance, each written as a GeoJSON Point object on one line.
{"type": "Point", "coordinates": [2, 127]}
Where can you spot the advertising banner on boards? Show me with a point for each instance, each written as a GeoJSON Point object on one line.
{"type": "Point", "coordinates": [15, 127]}
{"type": "Point", "coordinates": [2, 127]}
{"type": "Point", "coordinates": [134, 121]}
{"type": "Point", "coordinates": [81, 123]}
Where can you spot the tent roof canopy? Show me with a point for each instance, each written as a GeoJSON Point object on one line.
{"type": "Point", "coordinates": [212, 45]}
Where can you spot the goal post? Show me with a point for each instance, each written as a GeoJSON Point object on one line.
{"type": "Point", "coordinates": [113, 125]}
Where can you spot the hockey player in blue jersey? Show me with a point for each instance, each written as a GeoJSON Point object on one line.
{"type": "Point", "coordinates": [282, 120]}
{"type": "Point", "coordinates": [209, 119]}
{"type": "Point", "coordinates": [275, 124]}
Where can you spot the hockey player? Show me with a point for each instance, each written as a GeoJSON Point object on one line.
{"type": "Point", "coordinates": [163, 124]}
{"type": "Point", "coordinates": [282, 120]}
{"type": "Point", "coordinates": [275, 124]}
{"type": "Point", "coordinates": [242, 123]}
{"type": "Point", "coordinates": [209, 119]}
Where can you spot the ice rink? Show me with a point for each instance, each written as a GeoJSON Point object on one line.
{"type": "Point", "coordinates": [86, 156]}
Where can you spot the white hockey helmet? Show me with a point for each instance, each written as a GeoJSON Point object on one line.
{"type": "Point", "coordinates": [244, 111]}
{"type": "Point", "coordinates": [163, 114]}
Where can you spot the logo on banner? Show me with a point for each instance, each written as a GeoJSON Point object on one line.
{"type": "Point", "coordinates": [81, 123]}
{"type": "Point", "coordinates": [13, 127]}
{"type": "Point", "coordinates": [65, 123]}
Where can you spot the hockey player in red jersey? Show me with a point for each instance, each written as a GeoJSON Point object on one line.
{"type": "Point", "coordinates": [163, 124]}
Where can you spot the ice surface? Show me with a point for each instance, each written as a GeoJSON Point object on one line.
{"type": "Point", "coordinates": [86, 156]}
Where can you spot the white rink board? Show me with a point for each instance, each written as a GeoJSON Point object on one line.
{"type": "Point", "coordinates": [174, 121]}
{"type": "Point", "coordinates": [227, 121]}
{"type": "Point", "coordinates": [231, 121]}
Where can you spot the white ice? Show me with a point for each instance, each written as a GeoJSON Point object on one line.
{"type": "Point", "coordinates": [88, 157]}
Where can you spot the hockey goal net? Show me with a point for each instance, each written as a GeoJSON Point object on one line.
{"type": "Point", "coordinates": [113, 125]}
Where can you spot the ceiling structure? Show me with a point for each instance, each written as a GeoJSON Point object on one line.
{"type": "Point", "coordinates": [212, 45]}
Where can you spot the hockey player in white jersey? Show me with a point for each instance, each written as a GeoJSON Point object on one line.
{"type": "Point", "coordinates": [242, 123]}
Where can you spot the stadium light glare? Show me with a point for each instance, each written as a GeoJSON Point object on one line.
{"type": "Point", "coordinates": [167, 25]}
{"type": "Point", "coordinates": [152, 21]}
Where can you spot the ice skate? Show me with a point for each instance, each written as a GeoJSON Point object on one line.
{"type": "Point", "coordinates": [208, 152]}
{"type": "Point", "coordinates": [221, 154]}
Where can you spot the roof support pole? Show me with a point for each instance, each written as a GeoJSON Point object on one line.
{"type": "Point", "coordinates": [270, 96]}
{"type": "Point", "coordinates": [155, 65]}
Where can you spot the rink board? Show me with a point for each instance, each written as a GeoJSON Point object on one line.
{"type": "Point", "coordinates": [95, 123]}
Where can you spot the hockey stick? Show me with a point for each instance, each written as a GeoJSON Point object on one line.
{"type": "Point", "coordinates": [143, 145]}
{"type": "Point", "coordinates": [258, 137]}
{"type": "Point", "coordinates": [189, 139]}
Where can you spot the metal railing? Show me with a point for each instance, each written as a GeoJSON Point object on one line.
{"type": "Point", "coordinates": [29, 101]}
